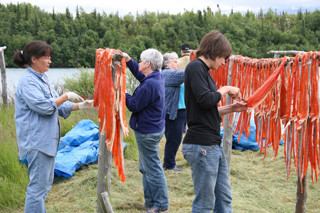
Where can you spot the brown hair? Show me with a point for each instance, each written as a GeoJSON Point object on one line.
{"type": "Point", "coordinates": [214, 45]}
{"type": "Point", "coordinates": [33, 49]}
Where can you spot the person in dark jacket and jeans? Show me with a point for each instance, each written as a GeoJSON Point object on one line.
{"type": "Point", "coordinates": [147, 105]}
{"type": "Point", "coordinates": [201, 145]}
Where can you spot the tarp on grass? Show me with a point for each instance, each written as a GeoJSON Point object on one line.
{"type": "Point", "coordinates": [80, 146]}
{"type": "Point", "coordinates": [245, 144]}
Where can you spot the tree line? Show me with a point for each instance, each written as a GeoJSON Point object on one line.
{"type": "Point", "coordinates": [75, 39]}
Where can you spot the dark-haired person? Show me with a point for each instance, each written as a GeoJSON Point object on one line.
{"type": "Point", "coordinates": [176, 113]}
{"type": "Point", "coordinates": [201, 145]}
{"type": "Point", "coordinates": [37, 111]}
{"type": "Point", "coordinates": [185, 56]}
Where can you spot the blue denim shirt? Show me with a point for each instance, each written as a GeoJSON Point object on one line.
{"type": "Point", "coordinates": [172, 81]}
{"type": "Point", "coordinates": [36, 114]}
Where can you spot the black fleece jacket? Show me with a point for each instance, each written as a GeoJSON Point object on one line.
{"type": "Point", "coordinates": [201, 99]}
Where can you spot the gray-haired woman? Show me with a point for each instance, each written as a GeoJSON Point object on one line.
{"type": "Point", "coordinates": [147, 105]}
{"type": "Point", "coordinates": [176, 113]}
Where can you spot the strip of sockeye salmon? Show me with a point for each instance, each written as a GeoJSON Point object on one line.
{"type": "Point", "coordinates": [304, 90]}
{"type": "Point", "coordinates": [310, 147]}
{"type": "Point", "coordinates": [314, 98]}
{"type": "Point", "coordinates": [110, 104]}
{"type": "Point", "coordinates": [122, 110]}
{"type": "Point", "coordinates": [296, 80]}
{"type": "Point", "coordinates": [284, 91]}
{"type": "Point", "coordinates": [97, 71]}
{"type": "Point", "coordinates": [117, 151]}
{"type": "Point", "coordinates": [289, 88]}
{"type": "Point", "coordinates": [192, 55]}
{"type": "Point", "coordinates": [259, 95]}
{"type": "Point", "coordinates": [316, 145]}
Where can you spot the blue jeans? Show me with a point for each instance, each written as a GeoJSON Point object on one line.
{"type": "Point", "coordinates": [173, 132]}
{"type": "Point", "coordinates": [41, 174]}
{"type": "Point", "coordinates": [153, 178]}
{"type": "Point", "coordinates": [210, 178]}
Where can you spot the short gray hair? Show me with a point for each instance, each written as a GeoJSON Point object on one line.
{"type": "Point", "coordinates": [154, 56]}
{"type": "Point", "coordinates": [168, 57]}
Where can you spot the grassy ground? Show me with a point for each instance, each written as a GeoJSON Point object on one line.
{"type": "Point", "coordinates": [258, 185]}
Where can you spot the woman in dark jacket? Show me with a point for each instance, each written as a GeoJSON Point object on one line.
{"type": "Point", "coordinates": [147, 105]}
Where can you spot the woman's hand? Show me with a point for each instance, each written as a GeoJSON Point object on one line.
{"type": "Point", "coordinates": [88, 104]}
{"type": "Point", "coordinates": [234, 92]}
{"type": "Point", "coordinates": [126, 57]}
{"type": "Point", "coordinates": [239, 106]}
{"type": "Point", "coordinates": [73, 97]}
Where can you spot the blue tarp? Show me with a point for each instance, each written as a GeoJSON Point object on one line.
{"type": "Point", "coordinates": [245, 144]}
{"type": "Point", "coordinates": [80, 146]}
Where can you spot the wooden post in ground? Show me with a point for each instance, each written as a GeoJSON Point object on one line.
{"type": "Point", "coordinates": [104, 172]}
{"type": "Point", "coordinates": [227, 128]}
{"type": "Point", "coordinates": [301, 196]}
{"type": "Point", "coordinates": [303, 184]}
{"type": "Point", "coordinates": [3, 76]}
{"type": "Point", "coordinates": [105, 158]}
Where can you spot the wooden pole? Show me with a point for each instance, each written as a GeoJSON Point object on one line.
{"type": "Point", "coordinates": [105, 158]}
{"type": "Point", "coordinates": [302, 184]}
{"type": "Point", "coordinates": [3, 76]}
{"type": "Point", "coordinates": [104, 172]}
{"type": "Point", "coordinates": [227, 128]}
{"type": "Point", "coordinates": [301, 196]}
{"type": "Point", "coordinates": [288, 52]}
{"type": "Point", "coordinates": [106, 202]}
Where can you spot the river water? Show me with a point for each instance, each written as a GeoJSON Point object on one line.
{"type": "Point", "coordinates": [56, 75]}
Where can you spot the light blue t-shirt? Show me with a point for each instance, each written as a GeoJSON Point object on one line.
{"type": "Point", "coordinates": [182, 104]}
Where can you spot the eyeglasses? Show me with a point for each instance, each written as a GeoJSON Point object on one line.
{"type": "Point", "coordinates": [140, 60]}
{"type": "Point", "coordinates": [47, 58]}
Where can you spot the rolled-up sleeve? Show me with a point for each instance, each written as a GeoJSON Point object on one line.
{"type": "Point", "coordinates": [65, 109]}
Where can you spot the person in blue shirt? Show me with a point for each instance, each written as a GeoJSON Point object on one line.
{"type": "Point", "coordinates": [37, 107]}
{"type": "Point", "coordinates": [176, 113]}
{"type": "Point", "coordinates": [147, 105]}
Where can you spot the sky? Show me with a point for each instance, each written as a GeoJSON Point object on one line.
{"type": "Point", "coordinates": [123, 7]}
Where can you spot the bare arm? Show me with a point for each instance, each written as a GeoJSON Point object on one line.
{"type": "Point", "coordinates": [75, 107]}
{"type": "Point", "coordinates": [61, 99]}
{"type": "Point", "coordinates": [236, 107]}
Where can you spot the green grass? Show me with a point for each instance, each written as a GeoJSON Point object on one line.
{"type": "Point", "coordinates": [258, 185]}
{"type": "Point", "coordinates": [80, 82]}
{"type": "Point", "coordinates": [13, 175]}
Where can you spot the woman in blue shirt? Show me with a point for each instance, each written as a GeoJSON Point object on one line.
{"type": "Point", "coordinates": [176, 113]}
{"type": "Point", "coordinates": [37, 107]}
